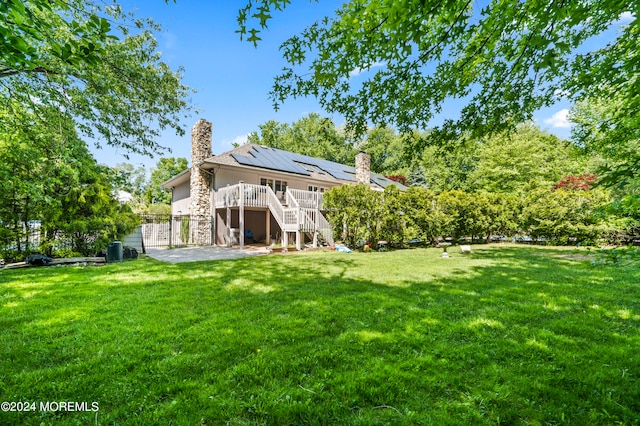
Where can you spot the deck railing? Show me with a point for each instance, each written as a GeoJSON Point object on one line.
{"type": "Point", "coordinates": [325, 228]}
{"type": "Point", "coordinates": [301, 214]}
{"type": "Point", "coordinates": [311, 218]}
{"type": "Point", "coordinates": [228, 196]}
{"type": "Point", "coordinates": [307, 199]}
{"type": "Point", "coordinates": [252, 195]}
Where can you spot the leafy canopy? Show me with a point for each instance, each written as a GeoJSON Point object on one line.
{"type": "Point", "coordinates": [503, 59]}
{"type": "Point", "coordinates": [52, 178]}
{"type": "Point", "coordinates": [94, 62]}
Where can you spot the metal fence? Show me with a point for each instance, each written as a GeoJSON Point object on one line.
{"type": "Point", "coordinates": [176, 230]}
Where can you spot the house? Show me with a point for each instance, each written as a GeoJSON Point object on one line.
{"type": "Point", "coordinates": [261, 193]}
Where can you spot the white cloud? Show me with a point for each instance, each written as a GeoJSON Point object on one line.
{"type": "Point", "coordinates": [227, 145]}
{"type": "Point", "coordinates": [559, 120]}
{"type": "Point", "coordinates": [626, 18]}
{"type": "Point", "coordinates": [357, 71]}
{"type": "Point", "coordinates": [241, 140]}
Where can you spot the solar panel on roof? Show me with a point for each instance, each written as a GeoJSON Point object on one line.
{"type": "Point", "coordinates": [269, 159]}
{"type": "Point", "coordinates": [285, 161]}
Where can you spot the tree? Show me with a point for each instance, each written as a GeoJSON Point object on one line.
{"type": "Point", "coordinates": [424, 217]}
{"type": "Point", "coordinates": [355, 212]}
{"type": "Point", "coordinates": [449, 167]}
{"type": "Point", "coordinates": [386, 149]}
{"type": "Point", "coordinates": [465, 214]}
{"type": "Point", "coordinates": [607, 131]}
{"type": "Point", "coordinates": [614, 139]}
{"type": "Point", "coordinates": [69, 55]}
{"type": "Point", "coordinates": [398, 61]}
{"type": "Point", "coordinates": [130, 178]}
{"type": "Point", "coordinates": [562, 216]}
{"type": "Point", "coordinates": [50, 179]}
{"type": "Point", "coordinates": [508, 161]}
{"type": "Point", "coordinates": [417, 177]}
{"type": "Point", "coordinates": [165, 169]}
{"type": "Point", "coordinates": [312, 135]}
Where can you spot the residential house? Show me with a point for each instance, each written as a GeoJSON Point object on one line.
{"type": "Point", "coordinates": [261, 193]}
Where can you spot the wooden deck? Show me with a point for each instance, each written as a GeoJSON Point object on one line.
{"type": "Point", "coordinates": [294, 211]}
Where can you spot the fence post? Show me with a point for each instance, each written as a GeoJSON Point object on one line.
{"type": "Point", "coordinates": [170, 230]}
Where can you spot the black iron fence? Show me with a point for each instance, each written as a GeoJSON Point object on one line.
{"type": "Point", "coordinates": [176, 230]}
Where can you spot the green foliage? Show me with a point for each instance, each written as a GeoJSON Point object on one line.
{"type": "Point", "coordinates": [507, 162]}
{"type": "Point", "coordinates": [619, 256]}
{"type": "Point", "coordinates": [604, 129]}
{"type": "Point", "coordinates": [147, 194]}
{"type": "Point", "coordinates": [563, 216]}
{"type": "Point", "coordinates": [52, 179]}
{"type": "Point", "coordinates": [185, 223]}
{"type": "Point", "coordinates": [165, 169]}
{"type": "Point", "coordinates": [355, 212]}
{"type": "Point", "coordinates": [386, 149]}
{"type": "Point", "coordinates": [506, 335]}
{"type": "Point", "coordinates": [80, 57]}
{"type": "Point", "coordinates": [466, 214]}
{"type": "Point", "coordinates": [399, 61]}
{"type": "Point", "coordinates": [422, 215]}
{"type": "Point", "coordinates": [557, 216]}
{"type": "Point", "coordinates": [25, 29]}
{"type": "Point", "coordinates": [312, 135]}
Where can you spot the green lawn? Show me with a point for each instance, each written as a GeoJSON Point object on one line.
{"type": "Point", "coordinates": [506, 335]}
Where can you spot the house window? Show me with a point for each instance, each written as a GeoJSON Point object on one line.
{"type": "Point", "coordinates": [276, 185]}
{"type": "Point", "coordinates": [266, 182]}
{"type": "Point", "coordinates": [314, 188]}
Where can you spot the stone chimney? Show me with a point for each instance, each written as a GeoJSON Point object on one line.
{"type": "Point", "coordinates": [200, 150]}
{"type": "Point", "coordinates": [363, 168]}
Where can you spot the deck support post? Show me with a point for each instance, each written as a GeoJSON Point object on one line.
{"type": "Point", "coordinates": [227, 231]}
{"type": "Point", "coordinates": [241, 215]}
{"type": "Point", "coordinates": [298, 240]}
{"type": "Point", "coordinates": [268, 227]}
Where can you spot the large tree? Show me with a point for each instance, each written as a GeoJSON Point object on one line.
{"type": "Point", "coordinates": [311, 135]}
{"type": "Point", "coordinates": [51, 180]}
{"type": "Point", "coordinates": [94, 62]}
{"type": "Point", "coordinates": [614, 142]}
{"type": "Point", "coordinates": [509, 162]}
{"type": "Point", "coordinates": [502, 59]}
{"type": "Point", "coordinates": [165, 169]}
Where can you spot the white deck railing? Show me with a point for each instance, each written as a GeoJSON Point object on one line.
{"type": "Point", "coordinates": [301, 214]}
{"type": "Point", "coordinates": [325, 228]}
{"type": "Point", "coordinates": [307, 199]}
{"type": "Point", "coordinates": [228, 196]}
{"type": "Point", "coordinates": [311, 218]}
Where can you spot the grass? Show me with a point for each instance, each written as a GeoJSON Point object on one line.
{"type": "Point", "coordinates": [507, 335]}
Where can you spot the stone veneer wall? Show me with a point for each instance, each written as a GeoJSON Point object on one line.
{"type": "Point", "coordinates": [363, 168]}
{"type": "Point", "coordinates": [200, 209]}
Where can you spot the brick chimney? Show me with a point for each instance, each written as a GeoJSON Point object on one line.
{"type": "Point", "coordinates": [363, 168]}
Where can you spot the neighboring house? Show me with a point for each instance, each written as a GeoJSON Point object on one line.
{"type": "Point", "coordinates": [260, 193]}
{"type": "Point", "coordinates": [123, 196]}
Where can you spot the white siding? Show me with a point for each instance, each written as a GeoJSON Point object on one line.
{"type": "Point", "coordinates": [181, 201]}
{"type": "Point", "coordinates": [231, 176]}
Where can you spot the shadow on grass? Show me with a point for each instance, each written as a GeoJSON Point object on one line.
{"type": "Point", "coordinates": [508, 335]}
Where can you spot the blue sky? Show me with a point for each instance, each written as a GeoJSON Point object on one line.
{"type": "Point", "coordinates": [232, 78]}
